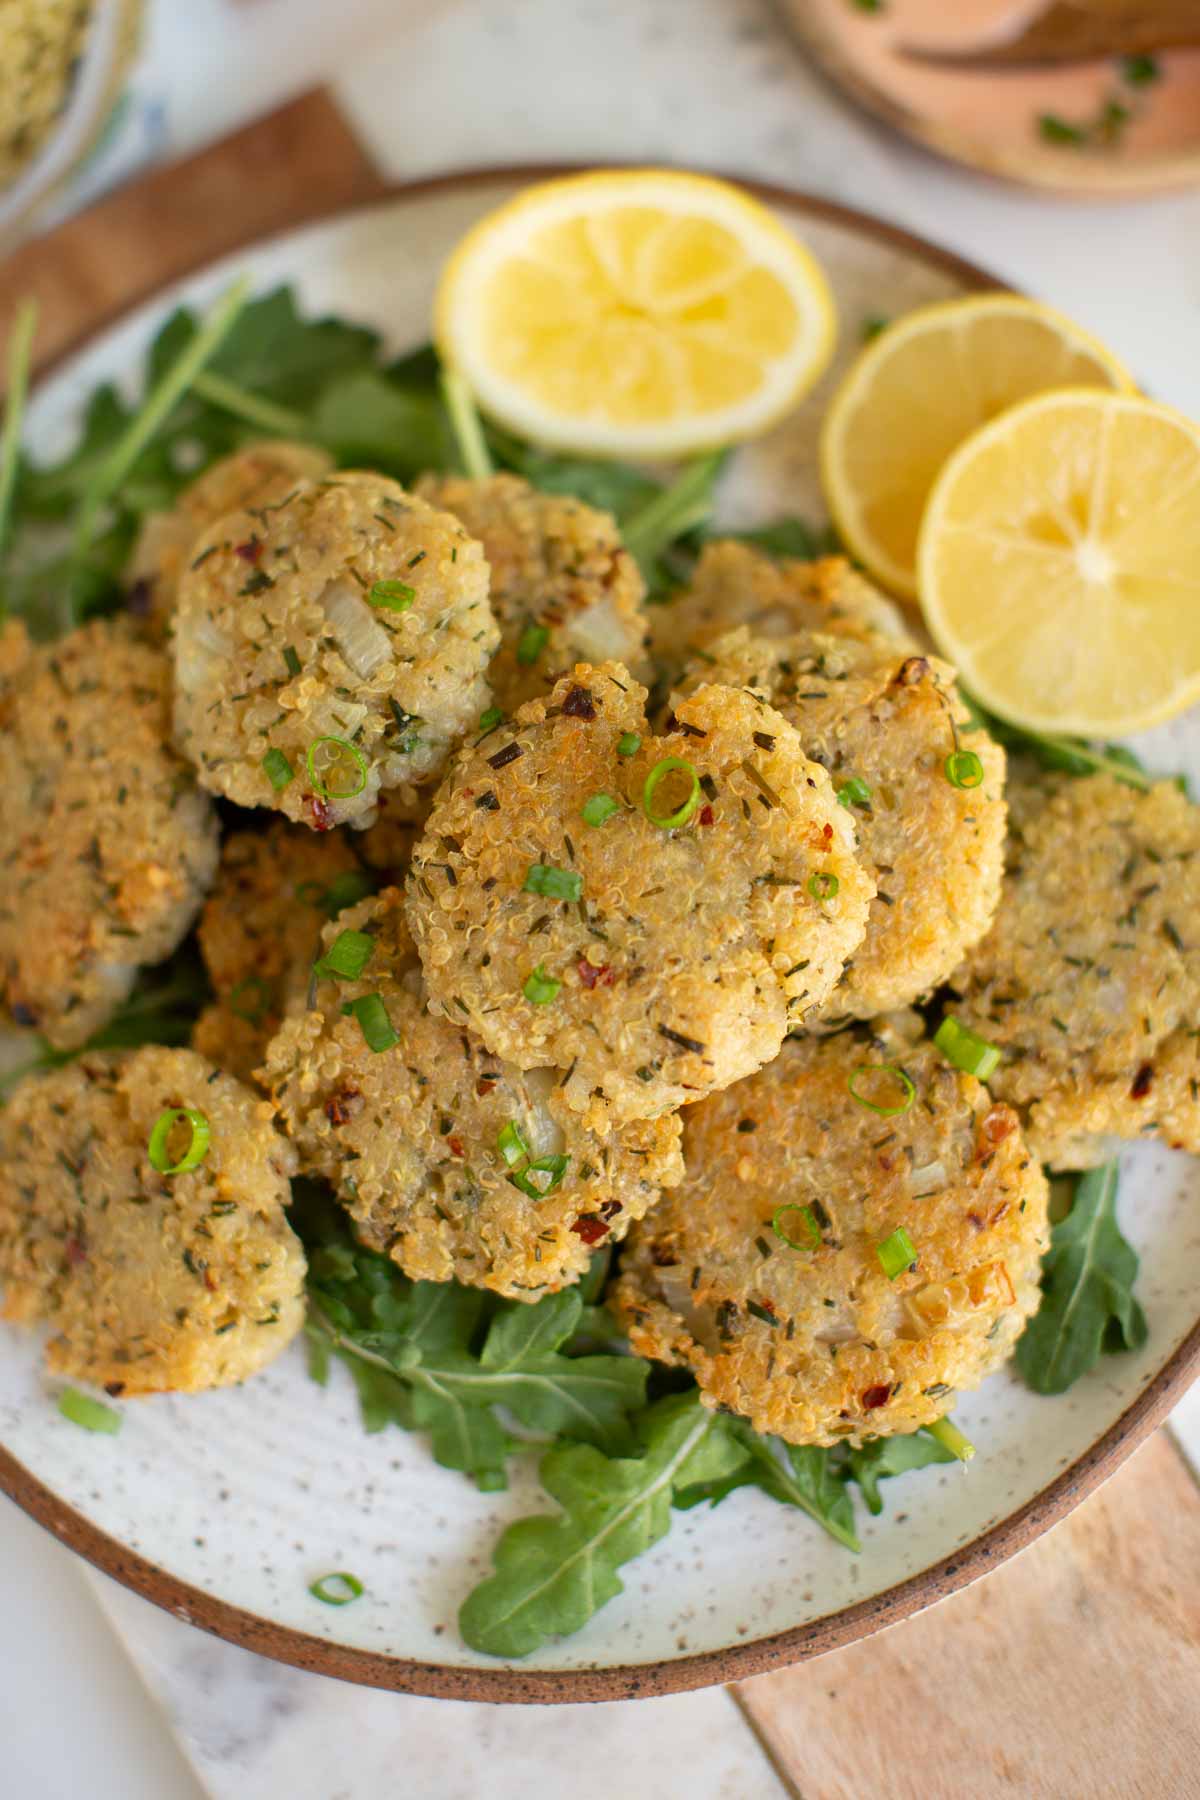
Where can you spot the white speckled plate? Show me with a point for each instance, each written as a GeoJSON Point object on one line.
{"type": "Point", "coordinates": [224, 1506]}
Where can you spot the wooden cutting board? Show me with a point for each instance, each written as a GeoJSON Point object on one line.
{"type": "Point", "coordinates": [1072, 1672]}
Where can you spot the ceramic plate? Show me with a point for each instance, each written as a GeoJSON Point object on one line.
{"type": "Point", "coordinates": [224, 1506]}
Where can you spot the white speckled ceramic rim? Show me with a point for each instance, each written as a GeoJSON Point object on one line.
{"type": "Point", "coordinates": [511, 1684]}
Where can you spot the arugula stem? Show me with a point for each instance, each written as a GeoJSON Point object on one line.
{"type": "Point", "coordinates": [678, 509]}
{"type": "Point", "coordinates": [170, 387]}
{"type": "Point", "coordinates": [20, 354]}
{"type": "Point", "coordinates": [466, 425]}
{"type": "Point", "coordinates": [946, 1433]}
{"type": "Point", "coordinates": [279, 420]}
{"type": "Point", "coordinates": [798, 1497]}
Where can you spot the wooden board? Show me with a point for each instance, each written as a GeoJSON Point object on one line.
{"type": "Point", "coordinates": [1073, 1671]}
{"type": "Point", "coordinates": [293, 165]}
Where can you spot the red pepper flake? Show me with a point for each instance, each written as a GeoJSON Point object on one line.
{"type": "Point", "coordinates": [114, 1389]}
{"type": "Point", "coordinates": [250, 551]}
{"type": "Point", "coordinates": [456, 1146]}
{"type": "Point", "coordinates": [913, 671]}
{"type": "Point", "coordinates": [706, 815]}
{"type": "Point", "coordinates": [997, 1123]}
{"type": "Point", "coordinates": [591, 976]}
{"type": "Point", "coordinates": [579, 704]}
{"type": "Point", "coordinates": [210, 1280]}
{"type": "Point", "coordinates": [827, 832]}
{"type": "Point", "coordinates": [485, 1085]}
{"type": "Point", "coordinates": [1141, 1082]}
{"type": "Point", "coordinates": [338, 1109]}
{"type": "Point", "coordinates": [609, 1209]}
{"type": "Point", "coordinates": [877, 1396]}
{"type": "Point", "coordinates": [975, 1221]}
{"type": "Point", "coordinates": [76, 1251]}
{"type": "Point", "coordinates": [590, 1227]}
{"type": "Point", "coordinates": [322, 813]}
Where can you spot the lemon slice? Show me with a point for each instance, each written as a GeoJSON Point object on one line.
{"type": "Point", "coordinates": [1059, 563]}
{"type": "Point", "coordinates": [641, 312]}
{"type": "Point", "coordinates": [918, 390]}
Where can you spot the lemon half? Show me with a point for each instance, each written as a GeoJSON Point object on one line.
{"type": "Point", "coordinates": [639, 313]}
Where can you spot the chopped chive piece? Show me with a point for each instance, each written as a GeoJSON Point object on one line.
{"type": "Point", "coordinates": [277, 769]}
{"type": "Point", "coordinates": [197, 1149]}
{"type": "Point", "coordinates": [373, 1022]}
{"type": "Point", "coordinates": [512, 1145]}
{"type": "Point", "coordinates": [946, 1433]}
{"type": "Point", "coordinates": [489, 720]}
{"type": "Point", "coordinates": [807, 1223]}
{"type": "Point", "coordinates": [908, 1091]}
{"type": "Point", "coordinates": [337, 1589]}
{"type": "Point", "coordinates": [392, 596]}
{"type": "Point", "coordinates": [555, 884]}
{"type": "Point", "coordinates": [553, 1167]}
{"type": "Point", "coordinates": [292, 661]}
{"type": "Point", "coordinates": [823, 885]}
{"type": "Point", "coordinates": [1059, 131]}
{"type": "Point", "coordinates": [628, 744]}
{"type": "Point", "coordinates": [93, 1415]}
{"type": "Point", "coordinates": [1140, 71]}
{"type": "Point", "coordinates": [854, 792]}
{"type": "Point", "coordinates": [974, 1055]}
{"type": "Point", "coordinates": [896, 1253]}
{"type": "Point", "coordinates": [321, 768]}
{"type": "Point", "coordinates": [250, 999]}
{"type": "Point", "coordinates": [349, 954]}
{"type": "Point", "coordinates": [531, 643]}
{"type": "Point", "coordinates": [541, 988]}
{"type": "Point", "coordinates": [963, 769]}
{"type": "Point", "coordinates": [658, 774]}
{"type": "Point", "coordinates": [599, 807]}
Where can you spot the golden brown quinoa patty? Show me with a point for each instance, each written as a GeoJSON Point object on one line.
{"type": "Point", "coordinates": [258, 476]}
{"type": "Point", "coordinates": [149, 1282]}
{"type": "Point", "coordinates": [564, 589]}
{"type": "Point", "coordinates": [260, 931]}
{"type": "Point", "coordinates": [279, 645]}
{"type": "Point", "coordinates": [106, 845]}
{"type": "Point", "coordinates": [871, 713]}
{"type": "Point", "coordinates": [40, 42]}
{"type": "Point", "coordinates": [1089, 979]}
{"type": "Point", "coordinates": [410, 1136]}
{"type": "Point", "coordinates": [689, 952]}
{"type": "Point", "coordinates": [817, 1343]}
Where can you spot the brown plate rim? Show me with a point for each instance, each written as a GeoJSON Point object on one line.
{"type": "Point", "coordinates": [510, 1684]}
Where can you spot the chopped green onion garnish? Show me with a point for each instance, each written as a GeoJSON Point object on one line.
{"type": "Point", "coordinates": [466, 425]}
{"type": "Point", "coordinates": [807, 1222]}
{"type": "Point", "coordinates": [337, 1589]}
{"type": "Point", "coordinates": [291, 660]}
{"type": "Point", "coordinates": [965, 1050]}
{"type": "Point", "coordinates": [896, 1253]}
{"type": "Point", "coordinates": [555, 884]}
{"type": "Point", "coordinates": [598, 807]}
{"type": "Point", "coordinates": [963, 769]}
{"type": "Point", "coordinates": [341, 753]}
{"type": "Point", "coordinates": [555, 1167]}
{"type": "Point", "coordinates": [908, 1092]}
{"type": "Point", "coordinates": [531, 643]}
{"type": "Point", "coordinates": [489, 720]}
{"type": "Point", "coordinates": [512, 1145]}
{"type": "Point", "coordinates": [197, 1149]}
{"type": "Point", "coordinates": [373, 1022]}
{"type": "Point", "coordinates": [277, 421]}
{"type": "Point", "coordinates": [392, 596]}
{"type": "Point", "coordinates": [277, 769]}
{"type": "Point", "coordinates": [658, 774]}
{"type": "Point", "coordinates": [93, 1415]}
{"type": "Point", "coordinates": [541, 988]}
{"type": "Point", "coordinates": [250, 999]}
{"type": "Point", "coordinates": [348, 956]}
{"type": "Point", "coordinates": [946, 1433]}
{"type": "Point", "coordinates": [823, 885]}
{"type": "Point", "coordinates": [628, 744]}
{"type": "Point", "coordinates": [854, 792]}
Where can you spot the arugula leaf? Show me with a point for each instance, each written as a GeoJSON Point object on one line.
{"type": "Point", "coordinates": [553, 1573]}
{"type": "Point", "coordinates": [1088, 1306]}
{"type": "Point", "coordinates": [672, 513]}
{"type": "Point", "coordinates": [796, 1475]}
{"type": "Point", "coordinates": [365, 419]}
{"type": "Point", "coordinates": [789, 537]}
{"type": "Point", "coordinates": [438, 1357]}
{"type": "Point", "coordinates": [885, 1457]}
{"type": "Point", "coordinates": [1069, 756]}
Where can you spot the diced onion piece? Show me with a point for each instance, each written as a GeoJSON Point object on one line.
{"type": "Point", "coordinates": [362, 640]}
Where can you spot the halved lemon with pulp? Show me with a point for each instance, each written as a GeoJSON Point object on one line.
{"type": "Point", "coordinates": [638, 312]}
{"type": "Point", "coordinates": [1059, 563]}
{"type": "Point", "coordinates": [921, 387]}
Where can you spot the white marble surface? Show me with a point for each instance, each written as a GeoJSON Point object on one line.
{"type": "Point", "coordinates": [712, 82]}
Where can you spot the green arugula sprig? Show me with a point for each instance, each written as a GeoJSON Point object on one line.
{"type": "Point", "coordinates": [1088, 1305]}
{"type": "Point", "coordinates": [1067, 755]}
